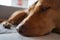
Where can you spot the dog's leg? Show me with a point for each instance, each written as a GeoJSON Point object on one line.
{"type": "Point", "coordinates": [15, 18]}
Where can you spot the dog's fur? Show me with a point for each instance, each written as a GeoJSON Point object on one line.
{"type": "Point", "coordinates": [41, 18]}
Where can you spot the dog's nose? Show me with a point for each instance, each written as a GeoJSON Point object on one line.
{"type": "Point", "coordinates": [21, 29]}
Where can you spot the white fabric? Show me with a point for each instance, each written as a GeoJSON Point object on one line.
{"type": "Point", "coordinates": [16, 36]}
{"type": "Point", "coordinates": [6, 34]}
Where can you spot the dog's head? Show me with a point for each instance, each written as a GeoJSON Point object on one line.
{"type": "Point", "coordinates": [40, 19]}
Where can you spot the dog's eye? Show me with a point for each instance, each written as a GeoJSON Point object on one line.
{"type": "Point", "coordinates": [44, 9]}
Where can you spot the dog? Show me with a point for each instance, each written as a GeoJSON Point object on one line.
{"type": "Point", "coordinates": [40, 19]}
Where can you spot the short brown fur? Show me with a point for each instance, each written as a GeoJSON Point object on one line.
{"type": "Point", "coordinates": [46, 18]}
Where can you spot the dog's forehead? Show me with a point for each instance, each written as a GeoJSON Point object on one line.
{"type": "Point", "coordinates": [55, 4]}
{"type": "Point", "coordinates": [52, 1]}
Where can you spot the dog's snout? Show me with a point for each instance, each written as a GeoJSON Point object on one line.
{"type": "Point", "coordinates": [21, 29]}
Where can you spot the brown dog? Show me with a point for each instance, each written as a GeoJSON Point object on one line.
{"type": "Point", "coordinates": [40, 19]}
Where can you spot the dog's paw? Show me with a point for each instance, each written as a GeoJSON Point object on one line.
{"type": "Point", "coordinates": [4, 30]}
{"type": "Point", "coordinates": [6, 24]}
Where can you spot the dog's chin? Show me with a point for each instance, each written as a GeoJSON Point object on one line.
{"type": "Point", "coordinates": [27, 34]}
{"type": "Point", "coordinates": [22, 33]}
{"type": "Point", "coordinates": [31, 35]}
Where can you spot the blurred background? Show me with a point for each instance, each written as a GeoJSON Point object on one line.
{"type": "Point", "coordinates": [17, 3]}
{"type": "Point", "coordinates": [7, 7]}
